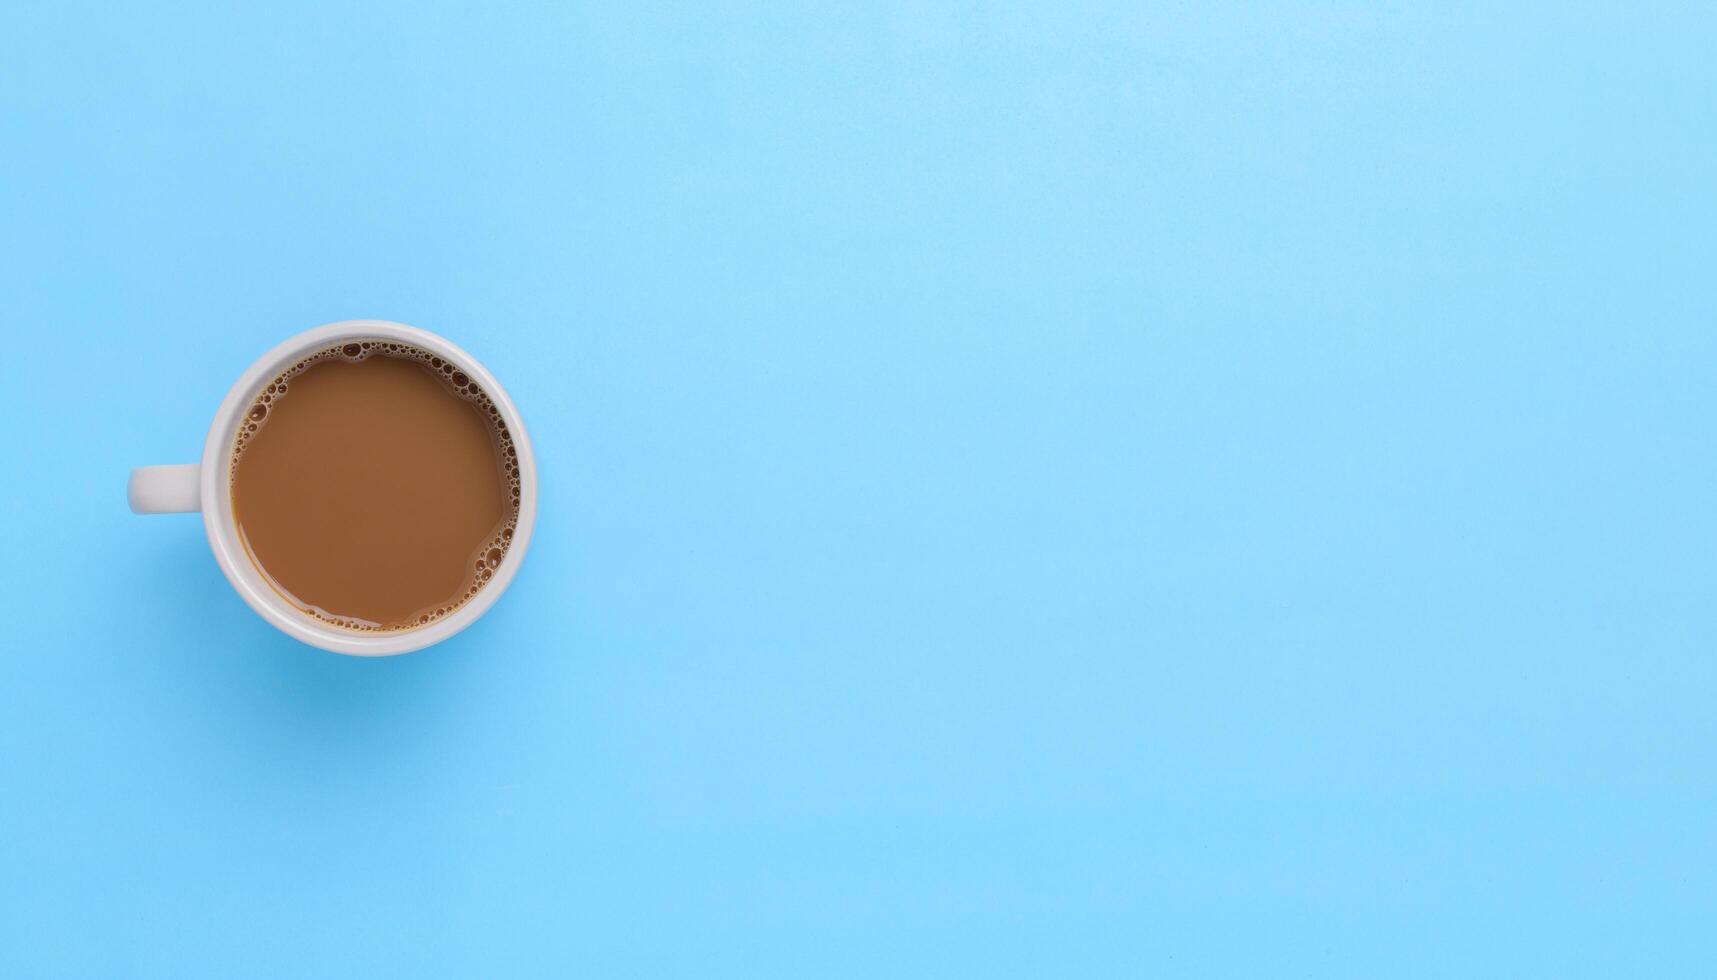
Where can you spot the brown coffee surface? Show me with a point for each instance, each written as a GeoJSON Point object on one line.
{"type": "Point", "coordinates": [375, 486]}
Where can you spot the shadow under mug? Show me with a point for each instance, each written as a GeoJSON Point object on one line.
{"type": "Point", "coordinates": [202, 487]}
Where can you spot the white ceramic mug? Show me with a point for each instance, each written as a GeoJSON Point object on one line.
{"type": "Point", "coordinates": [193, 487]}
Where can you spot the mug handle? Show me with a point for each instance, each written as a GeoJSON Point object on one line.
{"type": "Point", "coordinates": [166, 489]}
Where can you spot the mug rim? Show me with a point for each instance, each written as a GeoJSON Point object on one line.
{"type": "Point", "coordinates": [222, 530]}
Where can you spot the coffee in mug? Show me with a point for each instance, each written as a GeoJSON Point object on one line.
{"type": "Point", "coordinates": [374, 485]}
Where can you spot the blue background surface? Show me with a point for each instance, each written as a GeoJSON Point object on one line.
{"type": "Point", "coordinates": [1029, 489]}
